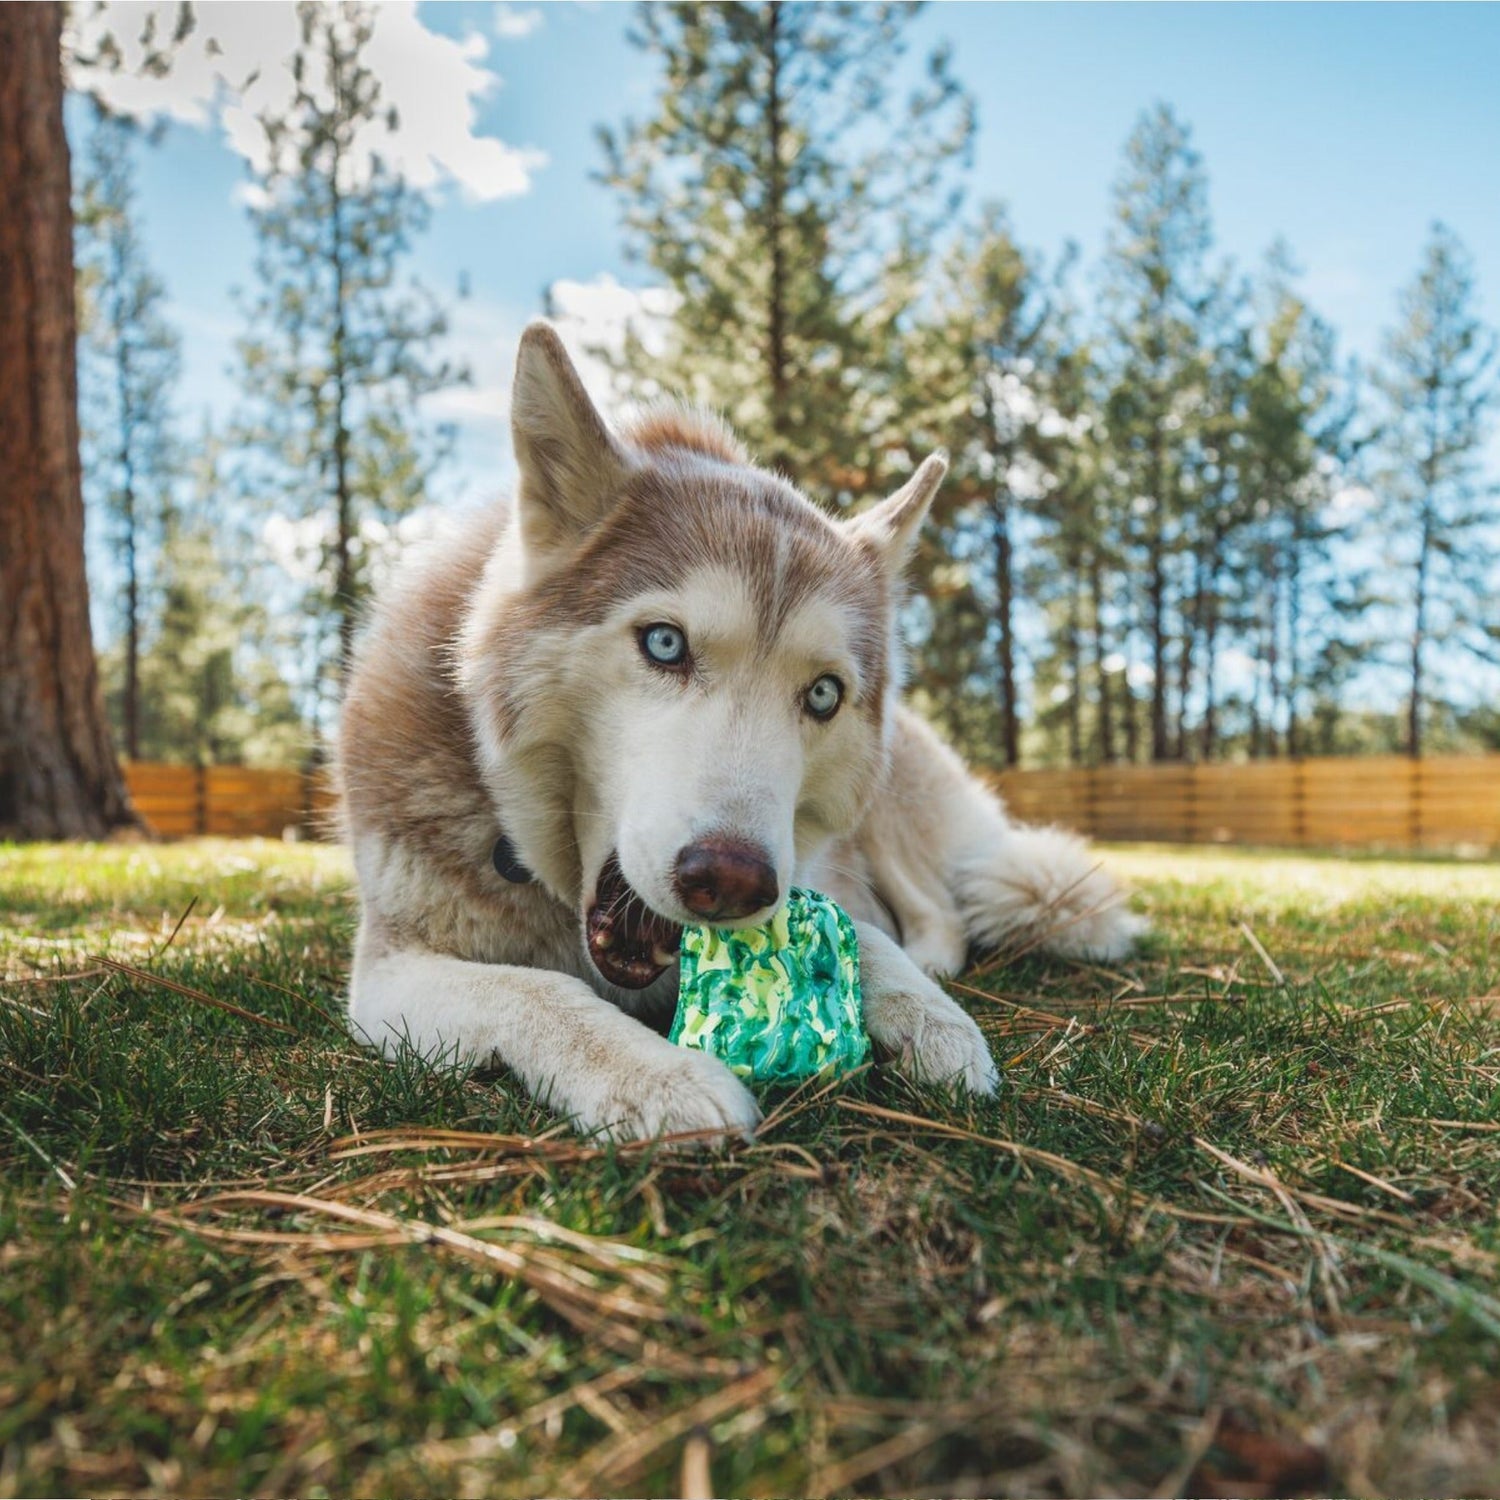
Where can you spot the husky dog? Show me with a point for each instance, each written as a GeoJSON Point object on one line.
{"type": "Point", "coordinates": [659, 691]}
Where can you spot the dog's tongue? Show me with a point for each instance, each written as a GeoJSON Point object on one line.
{"type": "Point", "coordinates": [628, 942]}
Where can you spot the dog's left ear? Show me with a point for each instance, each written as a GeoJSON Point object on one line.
{"type": "Point", "coordinates": [572, 466]}
{"type": "Point", "coordinates": [893, 524]}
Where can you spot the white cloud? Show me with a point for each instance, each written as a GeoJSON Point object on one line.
{"type": "Point", "coordinates": [482, 337]}
{"type": "Point", "coordinates": [299, 546]}
{"type": "Point", "coordinates": [512, 24]}
{"type": "Point", "coordinates": [1238, 670]}
{"type": "Point", "coordinates": [1350, 503]}
{"type": "Point", "coordinates": [237, 65]}
{"type": "Point", "coordinates": [597, 315]}
{"type": "Point", "coordinates": [588, 315]}
{"type": "Point", "coordinates": [295, 544]}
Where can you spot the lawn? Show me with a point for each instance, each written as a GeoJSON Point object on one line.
{"type": "Point", "coordinates": [1230, 1227]}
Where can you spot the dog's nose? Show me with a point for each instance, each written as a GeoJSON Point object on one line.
{"type": "Point", "coordinates": [721, 879]}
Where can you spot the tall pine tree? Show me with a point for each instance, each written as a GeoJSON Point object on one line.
{"type": "Point", "coordinates": [1299, 438]}
{"type": "Point", "coordinates": [1157, 289]}
{"type": "Point", "coordinates": [1439, 388]}
{"type": "Point", "coordinates": [777, 188]}
{"type": "Point", "coordinates": [340, 345]}
{"type": "Point", "coordinates": [129, 369]}
{"type": "Point", "coordinates": [59, 777]}
{"type": "Point", "coordinates": [212, 671]}
{"type": "Point", "coordinates": [982, 361]}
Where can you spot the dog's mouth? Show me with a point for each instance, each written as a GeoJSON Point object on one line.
{"type": "Point", "coordinates": [630, 944]}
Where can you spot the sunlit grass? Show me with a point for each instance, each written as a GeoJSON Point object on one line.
{"type": "Point", "coordinates": [1231, 1227]}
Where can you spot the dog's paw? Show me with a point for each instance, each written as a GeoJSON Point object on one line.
{"type": "Point", "coordinates": [933, 1039]}
{"type": "Point", "coordinates": [679, 1092]}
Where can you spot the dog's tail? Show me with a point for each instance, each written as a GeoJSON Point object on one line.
{"type": "Point", "coordinates": [1043, 888]}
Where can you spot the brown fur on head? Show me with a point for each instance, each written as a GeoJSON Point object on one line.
{"type": "Point", "coordinates": [669, 424]}
{"type": "Point", "coordinates": [587, 745]}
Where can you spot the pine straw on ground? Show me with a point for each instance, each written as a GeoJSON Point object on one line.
{"type": "Point", "coordinates": [1230, 1228]}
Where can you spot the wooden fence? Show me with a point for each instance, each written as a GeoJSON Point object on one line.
{"type": "Point", "coordinates": [1443, 802]}
{"type": "Point", "coordinates": [1384, 801]}
{"type": "Point", "coordinates": [177, 801]}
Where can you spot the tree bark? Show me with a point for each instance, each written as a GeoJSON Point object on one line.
{"type": "Point", "coordinates": [1161, 747]}
{"type": "Point", "coordinates": [1418, 641]}
{"type": "Point", "coordinates": [1209, 741]}
{"type": "Point", "coordinates": [1075, 665]}
{"type": "Point", "coordinates": [1101, 652]}
{"type": "Point", "coordinates": [1005, 606]}
{"type": "Point", "coordinates": [776, 321]}
{"type": "Point", "coordinates": [125, 458]}
{"type": "Point", "coordinates": [1192, 629]}
{"type": "Point", "coordinates": [1294, 642]}
{"type": "Point", "coordinates": [58, 774]}
{"type": "Point", "coordinates": [345, 603]}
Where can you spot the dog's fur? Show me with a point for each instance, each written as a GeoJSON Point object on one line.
{"type": "Point", "coordinates": [501, 686]}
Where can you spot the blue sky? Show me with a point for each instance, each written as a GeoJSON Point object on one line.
{"type": "Point", "coordinates": [1345, 128]}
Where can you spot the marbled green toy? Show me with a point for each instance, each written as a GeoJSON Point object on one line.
{"type": "Point", "coordinates": [777, 1003]}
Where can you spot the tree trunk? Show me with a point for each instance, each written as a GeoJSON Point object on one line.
{"type": "Point", "coordinates": [58, 774]}
{"type": "Point", "coordinates": [1273, 666]}
{"type": "Point", "coordinates": [1075, 666]}
{"type": "Point", "coordinates": [1418, 641]}
{"type": "Point", "coordinates": [1106, 702]}
{"type": "Point", "coordinates": [1161, 748]}
{"type": "Point", "coordinates": [1294, 644]}
{"type": "Point", "coordinates": [345, 604]}
{"type": "Point", "coordinates": [125, 458]}
{"type": "Point", "coordinates": [1209, 738]}
{"type": "Point", "coordinates": [776, 332]}
{"type": "Point", "coordinates": [1192, 628]}
{"type": "Point", "coordinates": [1005, 588]}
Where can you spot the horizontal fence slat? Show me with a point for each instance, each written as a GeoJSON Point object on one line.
{"type": "Point", "coordinates": [1359, 802]}
{"type": "Point", "coordinates": [240, 801]}
{"type": "Point", "coordinates": [1386, 801]}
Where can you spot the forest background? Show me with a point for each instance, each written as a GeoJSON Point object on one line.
{"type": "Point", "coordinates": [1209, 499]}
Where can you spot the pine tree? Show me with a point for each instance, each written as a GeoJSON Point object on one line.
{"type": "Point", "coordinates": [214, 690]}
{"type": "Point", "coordinates": [982, 362]}
{"type": "Point", "coordinates": [1215, 506]}
{"type": "Point", "coordinates": [59, 777]}
{"type": "Point", "coordinates": [1299, 440]}
{"type": "Point", "coordinates": [339, 350]}
{"type": "Point", "coordinates": [780, 189]}
{"type": "Point", "coordinates": [1440, 389]}
{"type": "Point", "coordinates": [1076, 570]}
{"type": "Point", "coordinates": [129, 368]}
{"type": "Point", "coordinates": [1157, 287]}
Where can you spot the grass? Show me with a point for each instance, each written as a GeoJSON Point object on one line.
{"type": "Point", "coordinates": [1229, 1229]}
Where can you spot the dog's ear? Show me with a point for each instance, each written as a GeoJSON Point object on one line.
{"type": "Point", "coordinates": [893, 524]}
{"type": "Point", "coordinates": [571, 465]}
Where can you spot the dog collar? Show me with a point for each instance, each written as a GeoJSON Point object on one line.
{"type": "Point", "coordinates": [506, 863]}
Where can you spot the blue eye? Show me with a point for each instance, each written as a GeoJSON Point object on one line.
{"type": "Point", "coordinates": [666, 645]}
{"type": "Point", "coordinates": [822, 699]}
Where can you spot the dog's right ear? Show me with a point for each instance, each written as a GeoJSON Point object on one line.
{"type": "Point", "coordinates": [571, 466]}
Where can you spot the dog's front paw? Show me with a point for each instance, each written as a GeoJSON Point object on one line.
{"type": "Point", "coordinates": [678, 1092]}
{"type": "Point", "coordinates": [933, 1038]}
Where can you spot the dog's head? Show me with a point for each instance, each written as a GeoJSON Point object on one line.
{"type": "Point", "coordinates": [679, 670]}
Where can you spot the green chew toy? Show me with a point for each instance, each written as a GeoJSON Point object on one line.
{"type": "Point", "coordinates": [777, 1003]}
